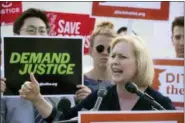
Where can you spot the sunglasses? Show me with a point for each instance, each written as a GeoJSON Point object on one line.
{"type": "Point", "coordinates": [101, 48]}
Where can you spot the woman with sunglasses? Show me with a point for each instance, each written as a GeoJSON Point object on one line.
{"type": "Point", "coordinates": [99, 76]}
{"type": "Point", "coordinates": [129, 62]}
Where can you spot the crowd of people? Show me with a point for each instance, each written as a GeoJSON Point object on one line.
{"type": "Point", "coordinates": [118, 58]}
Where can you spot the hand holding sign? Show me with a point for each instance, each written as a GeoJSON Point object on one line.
{"type": "Point", "coordinates": [3, 85]}
{"type": "Point", "coordinates": [82, 93]}
{"type": "Point", "coordinates": [30, 90]}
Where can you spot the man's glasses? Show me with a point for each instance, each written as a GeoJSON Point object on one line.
{"type": "Point", "coordinates": [178, 37]}
{"type": "Point", "coordinates": [101, 48]}
{"type": "Point", "coordinates": [32, 30]}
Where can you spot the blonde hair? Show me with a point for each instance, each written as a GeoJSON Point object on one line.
{"type": "Point", "coordinates": [145, 69]}
{"type": "Point", "coordinates": [103, 28]}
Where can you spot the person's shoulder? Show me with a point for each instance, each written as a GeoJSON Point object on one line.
{"type": "Point", "coordinates": [88, 80]}
{"type": "Point", "coordinates": [160, 98]}
{"type": "Point", "coordinates": [156, 95]}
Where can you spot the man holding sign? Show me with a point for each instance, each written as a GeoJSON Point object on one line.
{"type": "Point", "coordinates": [31, 22]}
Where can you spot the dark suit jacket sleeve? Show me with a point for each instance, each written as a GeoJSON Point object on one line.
{"type": "Point", "coordinates": [86, 104]}
{"type": "Point", "coordinates": [161, 99]}
{"type": "Point", "coordinates": [167, 104]}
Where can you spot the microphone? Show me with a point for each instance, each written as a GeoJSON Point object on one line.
{"type": "Point", "coordinates": [101, 93]}
{"type": "Point", "coordinates": [63, 107]}
{"type": "Point", "coordinates": [132, 88]}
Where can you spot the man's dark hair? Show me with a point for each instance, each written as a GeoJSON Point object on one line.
{"type": "Point", "coordinates": [122, 29]}
{"type": "Point", "coordinates": [179, 21]}
{"type": "Point", "coordinates": [31, 12]}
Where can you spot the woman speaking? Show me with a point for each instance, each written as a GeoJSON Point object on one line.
{"type": "Point", "coordinates": [129, 62]}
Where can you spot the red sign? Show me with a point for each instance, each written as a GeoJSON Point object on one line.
{"type": "Point", "coordinates": [10, 11]}
{"type": "Point", "coordinates": [135, 10]}
{"type": "Point", "coordinates": [67, 24]}
{"type": "Point", "coordinates": [131, 117]}
{"type": "Point", "coordinates": [169, 80]}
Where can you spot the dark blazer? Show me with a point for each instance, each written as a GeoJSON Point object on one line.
{"type": "Point", "coordinates": [111, 102]}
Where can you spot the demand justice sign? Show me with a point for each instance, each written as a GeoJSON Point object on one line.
{"type": "Point", "coordinates": [55, 62]}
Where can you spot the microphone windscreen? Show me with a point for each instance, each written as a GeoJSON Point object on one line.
{"type": "Point", "coordinates": [64, 105]}
{"type": "Point", "coordinates": [102, 92]}
{"type": "Point", "coordinates": [131, 87]}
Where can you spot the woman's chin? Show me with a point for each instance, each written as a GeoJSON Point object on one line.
{"type": "Point", "coordinates": [117, 81]}
{"type": "Point", "coordinates": [103, 65]}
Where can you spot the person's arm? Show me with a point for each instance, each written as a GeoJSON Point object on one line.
{"type": "Point", "coordinates": [86, 104]}
{"type": "Point", "coordinates": [167, 104]}
{"type": "Point", "coordinates": [30, 90]}
{"type": "Point", "coordinates": [161, 99]}
{"type": "Point", "coordinates": [44, 107]}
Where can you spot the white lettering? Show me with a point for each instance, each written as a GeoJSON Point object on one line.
{"type": "Point", "coordinates": [17, 9]}
{"type": "Point", "coordinates": [77, 31]}
{"type": "Point", "coordinates": [132, 13]}
{"type": "Point", "coordinates": [87, 42]}
{"type": "Point", "coordinates": [68, 27]}
{"type": "Point", "coordinates": [61, 29]}
{"type": "Point", "coordinates": [6, 4]}
{"type": "Point", "coordinates": [9, 11]}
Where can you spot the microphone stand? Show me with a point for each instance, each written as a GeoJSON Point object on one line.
{"type": "Point", "coordinates": [155, 105]}
{"type": "Point", "coordinates": [132, 88]}
{"type": "Point", "coordinates": [153, 108]}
